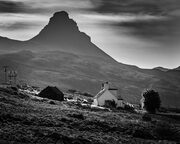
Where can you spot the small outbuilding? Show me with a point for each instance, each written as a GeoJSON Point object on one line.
{"type": "Point", "coordinates": [52, 93]}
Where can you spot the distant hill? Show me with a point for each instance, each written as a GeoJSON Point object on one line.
{"type": "Point", "coordinates": [61, 55]}
{"type": "Point", "coordinates": [178, 68]}
{"type": "Point", "coordinates": [161, 69]}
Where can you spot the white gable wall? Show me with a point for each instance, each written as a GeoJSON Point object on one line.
{"type": "Point", "coordinates": [106, 96]}
{"type": "Point", "coordinates": [114, 92]}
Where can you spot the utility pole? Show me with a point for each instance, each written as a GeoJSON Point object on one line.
{"type": "Point", "coordinates": [5, 74]}
{"type": "Point", "coordinates": [12, 77]}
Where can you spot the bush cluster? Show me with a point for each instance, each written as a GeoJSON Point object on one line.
{"type": "Point", "coordinates": [152, 101]}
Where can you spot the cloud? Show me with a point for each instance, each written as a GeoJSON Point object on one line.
{"type": "Point", "coordinates": [128, 6]}
{"type": "Point", "coordinates": [20, 7]}
{"type": "Point", "coordinates": [160, 29]}
{"type": "Point", "coordinates": [12, 7]}
{"type": "Point", "coordinates": [42, 6]}
{"type": "Point", "coordinates": [18, 26]}
{"type": "Point", "coordinates": [153, 7]}
{"type": "Point", "coordinates": [21, 26]}
{"type": "Point", "coordinates": [151, 20]}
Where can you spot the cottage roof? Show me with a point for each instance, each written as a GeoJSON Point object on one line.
{"type": "Point", "coordinates": [100, 93]}
{"type": "Point", "coordinates": [103, 91]}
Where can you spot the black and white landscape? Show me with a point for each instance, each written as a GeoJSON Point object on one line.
{"type": "Point", "coordinates": [63, 55]}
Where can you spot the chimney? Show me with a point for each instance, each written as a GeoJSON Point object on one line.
{"type": "Point", "coordinates": [106, 86]}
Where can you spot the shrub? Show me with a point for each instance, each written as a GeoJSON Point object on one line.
{"type": "Point", "coordinates": [128, 108]}
{"type": "Point", "coordinates": [152, 101]}
{"type": "Point", "coordinates": [52, 103]}
{"type": "Point", "coordinates": [110, 104]}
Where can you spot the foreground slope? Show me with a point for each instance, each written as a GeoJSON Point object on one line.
{"type": "Point", "coordinates": [27, 119]}
{"type": "Point", "coordinates": [61, 55]}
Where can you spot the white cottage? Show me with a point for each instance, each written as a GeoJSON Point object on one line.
{"type": "Point", "coordinates": [108, 93]}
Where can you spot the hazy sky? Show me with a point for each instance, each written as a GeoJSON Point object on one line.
{"type": "Point", "coordinates": [136, 32]}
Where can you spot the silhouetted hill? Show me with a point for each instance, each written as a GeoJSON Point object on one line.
{"type": "Point", "coordinates": [61, 55]}
{"type": "Point", "coordinates": [62, 33]}
{"type": "Point", "coordinates": [161, 69]}
{"type": "Point", "coordinates": [178, 68]}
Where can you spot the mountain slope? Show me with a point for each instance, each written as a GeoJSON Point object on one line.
{"type": "Point", "coordinates": [161, 69]}
{"type": "Point", "coordinates": [178, 68]}
{"type": "Point", "coordinates": [8, 44]}
{"type": "Point", "coordinates": [61, 55]}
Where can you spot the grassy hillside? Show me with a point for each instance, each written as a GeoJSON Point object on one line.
{"type": "Point", "coordinates": [24, 119]}
{"type": "Point", "coordinates": [86, 73]}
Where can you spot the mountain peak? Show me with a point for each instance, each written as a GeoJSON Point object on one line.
{"type": "Point", "coordinates": [59, 18]}
{"type": "Point", "coordinates": [61, 14]}
{"type": "Point", "coordinates": [60, 23]}
{"type": "Point", "coordinates": [62, 33]}
{"type": "Point", "coordinates": [59, 29]}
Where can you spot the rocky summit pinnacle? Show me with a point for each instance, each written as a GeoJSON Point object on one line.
{"type": "Point", "coordinates": [61, 19]}
{"type": "Point", "coordinates": [62, 14]}
{"type": "Point", "coordinates": [59, 27]}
